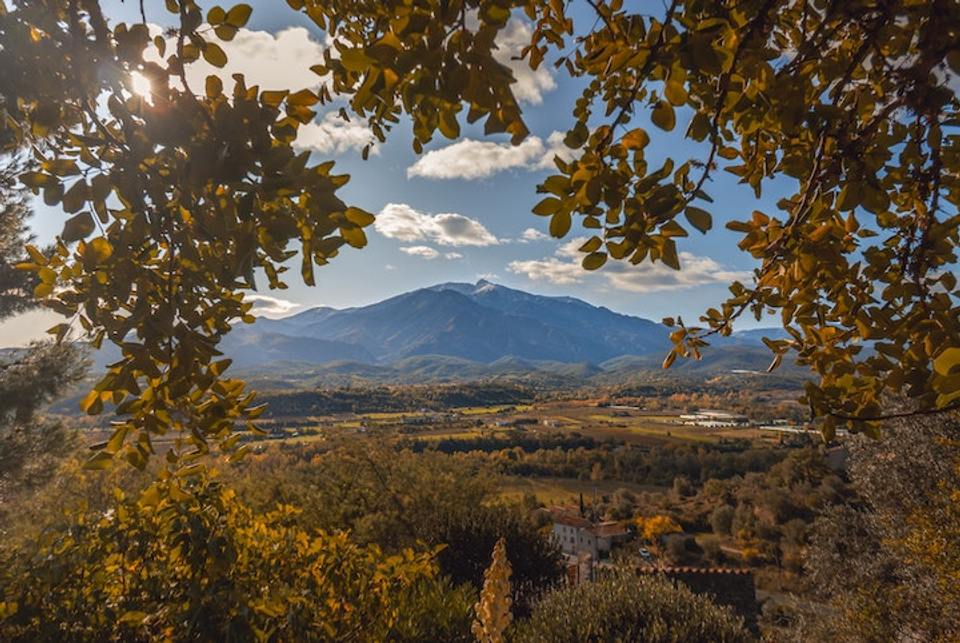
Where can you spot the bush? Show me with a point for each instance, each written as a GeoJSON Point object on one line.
{"type": "Point", "coordinates": [468, 536]}
{"type": "Point", "coordinates": [189, 561]}
{"type": "Point", "coordinates": [624, 607]}
{"type": "Point", "coordinates": [721, 520]}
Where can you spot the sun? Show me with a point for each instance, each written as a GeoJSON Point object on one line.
{"type": "Point", "coordinates": [140, 84]}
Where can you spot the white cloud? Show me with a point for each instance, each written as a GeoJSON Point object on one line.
{"type": "Point", "coordinates": [332, 134]}
{"type": "Point", "coordinates": [400, 221]}
{"type": "Point", "coordinates": [424, 252]}
{"type": "Point", "coordinates": [280, 61]}
{"type": "Point", "coordinates": [473, 159]}
{"type": "Point", "coordinates": [266, 306]}
{"type": "Point", "coordinates": [270, 61]}
{"type": "Point", "coordinates": [531, 85]}
{"type": "Point", "coordinates": [564, 269]}
{"type": "Point", "coordinates": [532, 234]}
{"type": "Point", "coordinates": [450, 256]}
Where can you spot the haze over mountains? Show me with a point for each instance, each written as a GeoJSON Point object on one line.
{"type": "Point", "coordinates": [472, 330]}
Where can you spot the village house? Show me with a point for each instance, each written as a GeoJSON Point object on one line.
{"type": "Point", "coordinates": [576, 534]}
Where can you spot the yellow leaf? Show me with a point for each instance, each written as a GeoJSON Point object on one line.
{"type": "Point", "coordinates": [663, 116]}
{"type": "Point", "coordinates": [239, 15]}
{"type": "Point", "coordinates": [635, 139]}
{"type": "Point", "coordinates": [699, 219]}
{"type": "Point", "coordinates": [560, 224]}
{"type": "Point", "coordinates": [360, 217]}
{"type": "Point", "coordinates": [214, 54]}
{"type": "Point", "coordinates": [354, 236]}
{"type": "Point", "coordinates": [594, 260]}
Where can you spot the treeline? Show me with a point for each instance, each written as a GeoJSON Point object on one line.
{"type": "Point", "coordinates": [392, 399]}
{"type": "Point", "coordinates": [574, 455]}
{"type": "Point", "coordinates": [522, 440]}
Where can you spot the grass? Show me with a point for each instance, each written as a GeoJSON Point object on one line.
{"type": "Point", "coordinates": [484, 410]}
{"type": "Point", "coordinates": [385, 416]}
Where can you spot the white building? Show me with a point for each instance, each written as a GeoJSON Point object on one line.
{"type": "Point", "coordinates": [714, 419]}
{"type": "Point", "coordinates": [577, 535]}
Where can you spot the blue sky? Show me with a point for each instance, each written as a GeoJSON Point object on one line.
{"type": "Point", "coordinates": [462, 214]}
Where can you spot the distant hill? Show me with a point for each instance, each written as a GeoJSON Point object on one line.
{"type": "Point", "coordinates": [460, 331]}
{"type": "Point", "coordinates": [481, 322]}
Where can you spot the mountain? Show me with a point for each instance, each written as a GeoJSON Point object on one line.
{"type": "Point", "coordinates": [481, 322]}
{"type": "Point", "coordinates": [468, 331]}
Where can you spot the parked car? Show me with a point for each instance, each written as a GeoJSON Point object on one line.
{"type": "Point", "coordinates": [645, 553]}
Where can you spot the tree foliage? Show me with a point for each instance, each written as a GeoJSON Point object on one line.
{"type": "Point", "coordinates": [32, 376]}
{"type": "Point", "coordinates": [853, 101]}
{"type": "Point", "coordinates": [886, 562]}
{"type": "Point", "coordinates": [399, 500]}
{"type": "Point", "coordinates": [177, 198]}
{"type": "Point", "coordinates": [174, 200]}
{"type": "Point", "coordinates": [653, 529]}
{"type": "Point", "coordinates": [625, 607]}
{"type": "Point", "coordinates": [186, 560]}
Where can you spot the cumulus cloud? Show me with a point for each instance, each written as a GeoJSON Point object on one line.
{"type": "Point", "coordinates": [332, 134]}
{"type": "Point", "coordinates": [266, 306]}
{"type": "Point", "coordinates": [270, 61]}
{"type": "Point", "coordinates": [564, 269]}
{"type": "Point", "coordinates": [424, 252]}
{"type": "Point", "coordinates": [531, 85]}
{"type": "Point", "coordinates": [404, 223]}
{"type": "Point", "coordinates": [473, 159]}
{"type": "Point", "coordinates": [279, 61]}
{"type": "Point", "coordinates": [450, 256]}
{"type": "Point", "coordinates": [532, 234]}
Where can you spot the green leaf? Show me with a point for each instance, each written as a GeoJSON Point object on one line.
{"type": "Point", "coordinates": [576, 137]}
{"type": "Point", "coordinates": [213, 86]}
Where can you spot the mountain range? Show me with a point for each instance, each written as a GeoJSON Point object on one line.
{"type": "Point", "coordinates": [481, 322]}
{"type": "Point", "coordinates": [469, 331]}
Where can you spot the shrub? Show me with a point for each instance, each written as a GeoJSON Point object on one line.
{"type": "Point", "coordinates": [189, 561]}
{"type": "Point", "coordinates": [624, 607]}
{"type": "Point", "coordinates": [721, 520]}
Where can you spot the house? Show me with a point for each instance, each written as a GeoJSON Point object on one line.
{"type": "Point", "coordinates": [576, 534]}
